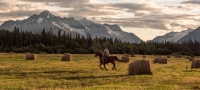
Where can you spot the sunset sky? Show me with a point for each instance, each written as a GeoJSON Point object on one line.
{"type": "Point", "coordinates": [144, 18]}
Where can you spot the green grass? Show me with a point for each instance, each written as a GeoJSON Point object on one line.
{"type": "Point", "coordinates": [48, 72]}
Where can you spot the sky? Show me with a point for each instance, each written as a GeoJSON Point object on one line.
{"type": "Point", "coordinates": [145, 18]}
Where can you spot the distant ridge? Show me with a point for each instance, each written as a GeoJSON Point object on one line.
{"type": "Point", "coordinates": [194, 35]}
{"type": "Point", "coordinates": [173, 36]}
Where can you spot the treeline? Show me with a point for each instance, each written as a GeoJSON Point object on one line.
{"type": "Point", "coordinates": [46, 41]}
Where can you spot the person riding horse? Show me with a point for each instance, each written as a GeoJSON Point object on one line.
{"type": "Point", "coordinates": [105, 54]}
{"type": "Point", "coordinates": [111, 59]}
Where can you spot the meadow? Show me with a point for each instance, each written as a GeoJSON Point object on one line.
{"type": "Point", "coordinates": [48, 72]}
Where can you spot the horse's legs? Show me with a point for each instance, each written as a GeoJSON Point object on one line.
{"type": "Point", "coordinates": [113, 66]}
{"type": "Point", "coordinates": [100, 65]}
{"type": "Point", "coordinates": [105, 66]}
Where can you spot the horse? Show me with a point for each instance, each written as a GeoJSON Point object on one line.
{"type": "Point", "coordinates": [110, 59]}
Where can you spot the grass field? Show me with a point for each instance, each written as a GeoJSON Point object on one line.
{"type": "Point", "coordinates": [48, 72]}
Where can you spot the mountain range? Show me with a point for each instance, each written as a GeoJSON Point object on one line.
{"type": "Point", "coordinates": [45, 19]}
{"type": "Point", "coordinates": [172, 36]}
{"type": "Point", "coordinates": [189, 34]}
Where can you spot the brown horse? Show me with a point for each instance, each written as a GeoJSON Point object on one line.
{"type": "Point", "coordinates": [110, 59]}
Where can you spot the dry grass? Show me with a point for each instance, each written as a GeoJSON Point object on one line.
{"type": "Point", "coordinates": [83, 73]}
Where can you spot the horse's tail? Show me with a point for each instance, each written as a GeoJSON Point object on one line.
{"type": "Point", "coordinates": [117, 59]}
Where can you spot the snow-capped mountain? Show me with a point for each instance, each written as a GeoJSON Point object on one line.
{"type": "Point", "coordinates": [194, 35]}
{"type": "Point", "coordinates": [45, 19]}
{"type": "Point", "coordinates": [173, 36]}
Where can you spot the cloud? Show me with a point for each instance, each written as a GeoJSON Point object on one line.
{"type": "Point", "coordinates": [2, 4]}
{"type": "Point", "coordinates": [62, 3]}
{"type": "Point", "coordinates": [132, 6]}
{"type": "Point", "coordinates": [126, 13]}
{"type": "Point", "coordinates": [191, 2]}
{"type": "Point", "coordinates": [156, 21]}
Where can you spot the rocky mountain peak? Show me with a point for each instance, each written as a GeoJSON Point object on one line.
{"type": "Point", "coordinates": [45, 14]}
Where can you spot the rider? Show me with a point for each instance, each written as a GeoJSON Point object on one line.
{"type": "Point", "coordinates": [105, 53]}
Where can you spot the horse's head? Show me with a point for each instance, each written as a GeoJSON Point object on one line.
{"type": "Point", "coordinates": [98, 54]}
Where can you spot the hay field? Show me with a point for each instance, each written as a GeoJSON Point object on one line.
{"type": "Point", "coordinates": [48, 72]}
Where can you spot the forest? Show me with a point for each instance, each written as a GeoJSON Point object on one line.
{"type": "Point", "coordinates": [47, 41]}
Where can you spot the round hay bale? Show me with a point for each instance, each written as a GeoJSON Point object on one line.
{"type": "Point", "coordinates": [126, 55]}
{"type": "Point", "coordinates": [155, 60]}
{"type": "Point", "coordinates": [159, 56]}
{"type": "Point", "coordinates": [12, 53]}
{"type": "Point", "coordinates": [31, 57]}
{"type": "Point", "coordinates": [177, 56]}
{"type": "Point", "coordinates": [195, 63]}
{"type": "Point", "coordinates": [132, 55]}
{"type": "Point", "coordinates": [160, 60]}
{"type": "Point", "coordinates": [66, 57]}
{"type": "Point", "coordinates": [168, 56]}
{"type": "Point", "coordinates": [143, 56]}
{"type": "Point", "coordinates": [187, 57]}
{"type": "Point", "coordinates": [191, 55]}
{"type": "Point", "coordinates": [66, 53]}
{"type": "Point", "coordinates": [140, 67]}
{"type": "Point", "coordinates": [125, 59]}
{"type": "Point", "coordinates": [26, 52]}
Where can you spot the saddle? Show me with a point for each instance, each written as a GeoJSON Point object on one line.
{"type": "Point", "coordinates": [106, 58]}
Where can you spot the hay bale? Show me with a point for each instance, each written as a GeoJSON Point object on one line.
{"type": "Point", "coordinates": [177, 56]}
{"type": "Point", "coordinates": [168, 56]}
{"type": "Point", "coordinates": [26, 52]}
{"type": "Point", "coordinates": [191, 58]}
{"type": "Point", "coordinates": [125, 59]}
{"type": "Point", "coordinates": [31, 57]}
{"type": "Point", "coordinates": [67, 54]}
{"type": "Point", "coordinates": [140, 67]}
{"type": "Point", "coordinates": [126, 55]}
{"type": "Point", "coordinates": [11, 52]}
{"type": "Point", "coordinates": [155, 60]}
{"type": "Point", "coordinates": [132, 55]}
{"type": "Point", "coordinates": [187, 57]}
{"type": "Point", "coordinates": [66, 57]}
{"type": "Point", "coordinates": [191, 55]}
{"type": "Point", "coordinates": [159, 56]}
{"type": "Point", "coordinates": [195, 63]}
{"type": "Point", "coordinates": [160, 60]}
{"type": "Point", "coordinates": [143, 56]}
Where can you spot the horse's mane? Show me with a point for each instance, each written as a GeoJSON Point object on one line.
{"type": "Point", "coordinates": [100, 53]}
